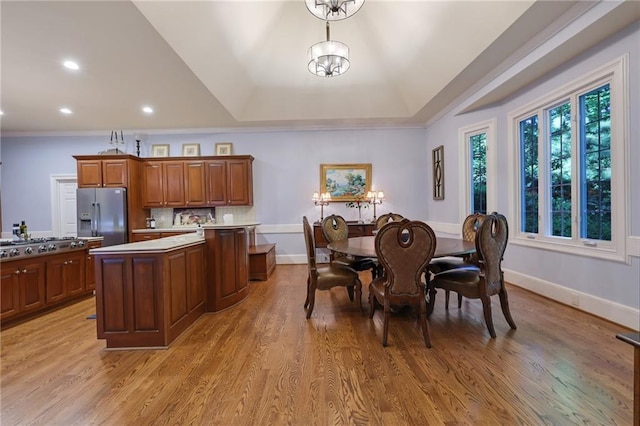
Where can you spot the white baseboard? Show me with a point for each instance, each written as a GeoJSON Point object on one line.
{"type": "Point", "coordinates": [614, 312]}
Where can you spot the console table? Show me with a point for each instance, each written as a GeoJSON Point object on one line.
{"type": "Point", "coordinates": [355, 230]}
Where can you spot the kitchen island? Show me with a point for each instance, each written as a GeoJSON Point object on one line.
{"type": "Point", "coordinates": [149, 292]}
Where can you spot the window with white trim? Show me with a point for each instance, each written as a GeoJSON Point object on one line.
{"type": "Point", "coordinates": [478, 174]}
{"type": "Point", "coordinates": [569, 167]}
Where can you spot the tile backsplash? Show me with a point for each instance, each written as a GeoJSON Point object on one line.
{"type": "Point", "coordinates": [165, 217]}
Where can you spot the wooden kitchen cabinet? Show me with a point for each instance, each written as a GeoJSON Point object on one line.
{"type": "Point", "coordinates": [22, 287]}
{"type": "Point", "coordinates": [230, 182]}
{"type": "Point", "coordinates": [195, 193]}
{"type": "Point", "coordinates": [64, 276]}
{"type": "Point", "coordinates": [228, 267]}
{"type": "Point", "coordinates": [103, 173]}
{"type": "Point", "coordinates": [163, 184]}
{"type": "Point", "coordinates": [90, 265]}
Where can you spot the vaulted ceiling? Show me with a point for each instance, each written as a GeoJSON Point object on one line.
{"type": "Point", "coordinates": [235, 64]}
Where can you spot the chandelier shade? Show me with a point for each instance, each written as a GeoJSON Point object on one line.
{"type": "Point", "coordinates": [328, 58]}
{"type": "Point", "coordinates": [333, 10]}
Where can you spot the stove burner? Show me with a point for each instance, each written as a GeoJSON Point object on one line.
{"type": "Point", "coordinates": [44, 245]}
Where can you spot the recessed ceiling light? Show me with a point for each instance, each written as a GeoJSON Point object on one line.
{"type": "Point", "coordinates": [147, 110]}
{"type": "Point", "coordinates": [72, 65]}
{"type": "Point", "coordinates": [65, 110]}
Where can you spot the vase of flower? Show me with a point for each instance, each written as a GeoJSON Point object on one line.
{"type": "Point", "coordinates": [358, 203]}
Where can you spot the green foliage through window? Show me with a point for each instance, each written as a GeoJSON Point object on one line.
{"type": "Point", "coordinates": [478, 173]}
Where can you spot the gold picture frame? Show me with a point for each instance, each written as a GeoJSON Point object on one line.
{"type": "Point", "coordinates": [438, 172]}
{"type": "Point", "coordinates": [161, 150]}
{"type": "Point", "coordinates": [190, 149]}
{"type": "Point", "coordinates": [224, 148]}
{"type": "Point", "coordinates": [345, 182]}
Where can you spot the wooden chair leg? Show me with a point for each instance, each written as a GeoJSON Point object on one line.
{"type": "Point", "coordinates": [432, 301]}
{"type": "Point", "coordinates": [423, 323]}
{"type": "Point", "coordinates": [372, 304]}
{"type": "Point", "coordinates": [446, 299]}
{"type": "Point", "coordinates": [306, 302]}
{"type": "Point", "coordinates": [359, 296]}
{"type": "Point", "coordinates": [504, 304]}
{"type": "Point", "coordinates": [385, 322]}
{"type": "Point", "coordinates": [459, 301]}
{"type": "Point", "coordinates": [350, 292]}
{"type": "Point", "coordinates": [486, 309]}
{"type": "Point", "coordinates": [312, 300]}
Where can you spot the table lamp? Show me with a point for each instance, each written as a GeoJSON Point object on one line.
{"type": "Point", "coordinates": [321, 199]}
{"type": "Point", "coordinates": [375, 197]}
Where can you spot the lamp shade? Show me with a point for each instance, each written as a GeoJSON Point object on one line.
{"type": "Point", "coordinates": [333, 10]}
{"type": "Point", "coordinates": [328, 58]}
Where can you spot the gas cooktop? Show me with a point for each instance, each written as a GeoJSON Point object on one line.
{"type": "Point", "coordinates": [10, 250]}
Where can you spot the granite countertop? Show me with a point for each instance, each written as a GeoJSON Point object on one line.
{"type": "Point", "coordinates": [192, 228]}
{"type": "Point", "coordinates": [153, 246]}
{"type": "Point", "coordinates": [91, 238]}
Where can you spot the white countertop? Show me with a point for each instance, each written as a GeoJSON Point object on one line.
{"type": "Point", "coordinates": [192, 228]}
{"type": "Point", "coordinates": [153, 246]}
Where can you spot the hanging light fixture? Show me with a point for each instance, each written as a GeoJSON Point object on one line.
{"type": "Point", "coordinates": [333, 10]}
{"type": "Point", "coordinates": [328, 58]}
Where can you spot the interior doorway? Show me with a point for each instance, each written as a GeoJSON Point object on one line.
{"type": "Point", "coordinates": [63, 208]}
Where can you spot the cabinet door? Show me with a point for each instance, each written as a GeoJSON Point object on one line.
{"type": "Point", "coordinates": [56, 289]}
{"type": "Point", "coordinates": [195, 277]}
{"type": "Point", "coordinates": [89, 173]}
{"type": "Point", "coordinates": [239, 183]}
{"type": "Point", "coordinates": [32, 285]}
{"type": "Point", "coordinates": [216, 183]}
{"type": "Point", "coordinates": [173, 183]}
{"type": "Point", "coordinates": [9, 291]}
{"type": "Point", "coordinates": [74, 273]}
{"type": "Point", "coordinates": [152, 185]}
{"type": "Point", "coordinates": [115, 173]}
{"type": "Point", "coordinates": [194, 182]}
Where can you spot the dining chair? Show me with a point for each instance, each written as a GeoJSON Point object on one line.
{"type": "Point", "coordinates": [386, 218]}
{"type": "Point", "coordinates": [327, 277]}
{"type": "Point", "coordinates": [335, 228]}
{"type": "Point", "coordinates": [491, 242]}
{"type": "Point", "coordinates": [471, 261]}
{"type": "Point", "coordinates": [404, 249]}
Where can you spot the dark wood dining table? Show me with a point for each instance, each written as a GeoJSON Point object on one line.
{"type": "Point", "coordinates": [365, 246]}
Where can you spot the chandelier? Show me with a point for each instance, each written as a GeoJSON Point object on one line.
{"type": "Point", "coordinates": [328, 58]}
{"type": "Point", "coordinates": [333, 10]}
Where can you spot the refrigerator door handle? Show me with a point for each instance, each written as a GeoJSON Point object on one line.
{"type": "Point", "coordinates": [93, 219]}
{"type": "Point", "coordinates": [96, 214]}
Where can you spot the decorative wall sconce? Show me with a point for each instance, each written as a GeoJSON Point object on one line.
{"type": "Point", "coordinates": [321, 199]}
{"type": "Point", "coordinates": [375, 197]}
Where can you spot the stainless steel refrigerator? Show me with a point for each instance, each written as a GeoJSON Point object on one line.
{"type": "Point", "coordinates": [102, 212]}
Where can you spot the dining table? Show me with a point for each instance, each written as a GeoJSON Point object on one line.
{"type": "Point", "coordinates": [365, 246]}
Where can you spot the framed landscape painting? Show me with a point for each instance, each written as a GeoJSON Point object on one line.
{"type": "Point", "coordinates": [345, 182]}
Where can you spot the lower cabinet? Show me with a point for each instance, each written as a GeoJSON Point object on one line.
{"type": "Point", "coordinates": [28, 286]}
{"type": "Point", "coordinates": [228, 267]}
{"type": "Point", "coordinates": [148, 299]}
{"type": "Point", "coordinates": [90, 266]}
{"type": "Point", "coordinates": [65, 276]}
{"type": "Point", "coordinates": [22, 288]}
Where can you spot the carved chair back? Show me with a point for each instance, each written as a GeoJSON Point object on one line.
{"type": "Point", "coordinates": [491, 243]}
{"type": "Point", "coordinates": [405, 249]}
{"type": "Point", "coordinates": [388, 217]}
{"type": "Point", "coordinates": [335, 228]}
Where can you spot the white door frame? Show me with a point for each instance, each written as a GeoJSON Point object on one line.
{"type": "Point", "coordinates": [57, 181]}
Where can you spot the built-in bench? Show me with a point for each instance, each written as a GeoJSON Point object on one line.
{"type": "Point", "coordinates": [262, 259]}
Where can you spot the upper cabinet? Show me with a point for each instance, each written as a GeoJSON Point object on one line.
{"type": "Point", "coordinates": [206, 182]}
{"type": "Point", "coordinates": [163, 184]}
{"type": "Point", "coordinates": [110, 171]}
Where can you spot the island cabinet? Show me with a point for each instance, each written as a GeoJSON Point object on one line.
{"type": "Point", "coordinates": [227, 267]}
{"type": "Point", "coordinates": [22, 287]}
{"type": "Point", "coordinates": [64, 276]}
{"type": "Point", "coordinates": [146, 298]}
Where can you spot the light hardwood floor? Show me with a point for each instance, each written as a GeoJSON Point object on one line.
{"type": "Point", "coordinates": [262, 363]}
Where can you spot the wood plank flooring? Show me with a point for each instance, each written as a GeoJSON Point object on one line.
{"type": "Point", "coordinates": [262, 363]}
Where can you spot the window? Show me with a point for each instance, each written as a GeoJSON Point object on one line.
{"type": "Point", "coordinates": [569, 193]}
{"type": "Point", "coordinates": [478, 177]}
